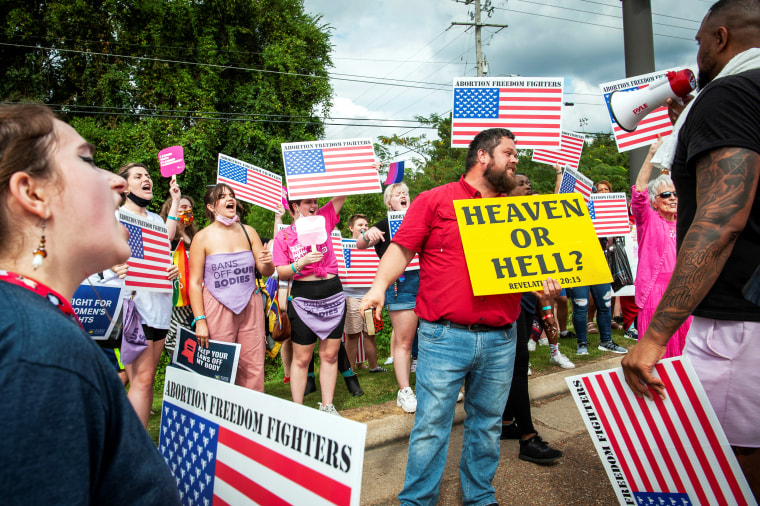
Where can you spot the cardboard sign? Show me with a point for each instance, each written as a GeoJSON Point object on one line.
{"type": "Point", "coordinates": [512, 244]}
{"type": "Point", "coordinates": [172, 161]}
{"type": "Point", "coordinates": [670, 451]}
{"type": "Point", "coordinates": [230, 445]}
{"type": "Point", "coordinates": [218, 361]}
{"type": "Point", "coordinates": [94, 311]}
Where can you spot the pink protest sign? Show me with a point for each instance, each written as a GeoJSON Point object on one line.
{"type": "Point", "coordinates": [172, 161]}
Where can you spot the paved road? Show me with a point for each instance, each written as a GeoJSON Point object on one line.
{"type": "Point", "coordinates": [577, 478]}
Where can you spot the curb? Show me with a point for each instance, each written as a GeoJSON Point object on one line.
{"type": "Point", "coordinates": [395, 428]}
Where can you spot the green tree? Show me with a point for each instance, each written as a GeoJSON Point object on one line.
{"type": "Point", "coordinates": [234, 77]}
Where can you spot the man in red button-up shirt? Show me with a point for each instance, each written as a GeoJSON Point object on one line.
{"type": "Point", "coordinates": [461, 337]}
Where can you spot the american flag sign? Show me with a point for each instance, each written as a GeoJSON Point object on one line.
{"type": "Point", "coordinates": [361, 264]}
{"type": "Point", "coordinates": [660, 452]}
{"type": "Point", "coordinates": [150, 257]}
{"type": "Point", "coordinates": [569, 154]}
{"type": "Point", "coordinates": [395, 218]}
{"type": "Point", "coordinates": [328, 168]}
{"type": "Point", "coordinates": [252, 184]}
{"type": "Point", "coordinates": [337, 244]}
{"type": "Point", "coordinates": [609, 214]}
{"type": "Point", "coordinates": [575, 182]}
{"type": "Point", "coordinates": [656, 123]}
{"type": "Point", "coordinates": [229, 445]}
{"type": "Point", "coordinates": [531, 107]}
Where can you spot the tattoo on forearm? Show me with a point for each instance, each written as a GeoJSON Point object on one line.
{"type": "Point", "coordinates": [726, 186]}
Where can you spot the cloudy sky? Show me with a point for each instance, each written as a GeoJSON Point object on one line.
{"type": "Point", "coordinates": [412, 45]}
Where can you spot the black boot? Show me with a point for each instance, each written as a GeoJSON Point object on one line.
{"type": "Point", "coordinates": [352, 383]}
{"type": "Point", "coordinates": [311, 385]}
{"type": "Point", "coordinates": [536, 451]}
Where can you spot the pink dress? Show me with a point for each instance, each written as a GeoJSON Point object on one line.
{"type": "Point", "coordinates": [657, 258]}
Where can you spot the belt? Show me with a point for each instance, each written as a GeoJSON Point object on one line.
{"type": "Point", "coordinates": [473, 327]}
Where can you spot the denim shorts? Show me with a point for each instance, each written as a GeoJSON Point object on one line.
{"type": "Point", "coordinates": [403, 294]}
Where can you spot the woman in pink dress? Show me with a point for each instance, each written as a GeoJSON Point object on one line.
{"type": "Point", "coordinates": [654, 209]}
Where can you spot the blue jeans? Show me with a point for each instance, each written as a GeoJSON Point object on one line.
{"type": "Point", "coordinates": [602, 298]}
{"type": "Point", "coordinates": [448, 356]}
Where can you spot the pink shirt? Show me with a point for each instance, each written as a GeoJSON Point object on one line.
{"type": "Point", "coordinates": [657, 244]}
{"type": "Point", "coordinates": [287, 249]}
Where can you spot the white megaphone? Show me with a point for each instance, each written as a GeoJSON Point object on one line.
{"type": "Point", "coordinates": [630, 107]}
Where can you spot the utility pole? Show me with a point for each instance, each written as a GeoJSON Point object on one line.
{"type": "Point", "coordinates": [639, 57]}
{"type": "Point", "coordinates": [478, 25]}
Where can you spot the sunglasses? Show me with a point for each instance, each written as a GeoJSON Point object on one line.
{"type": "Point", "coordinates": [666, 195]}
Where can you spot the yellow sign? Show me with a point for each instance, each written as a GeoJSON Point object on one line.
{"type": "Point", "coordinates": [512, 244]}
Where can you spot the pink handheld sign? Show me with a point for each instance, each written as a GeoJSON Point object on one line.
{"type": "Point", "coordinates": [172, 161]}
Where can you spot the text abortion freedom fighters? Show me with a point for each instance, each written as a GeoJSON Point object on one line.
{"type": "Point", "coordinates": [512, 244]}
{"type": "Point", "coordinates": [246, 446]}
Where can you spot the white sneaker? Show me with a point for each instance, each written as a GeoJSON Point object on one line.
{"type": "Point", "coordinates": [562, 361]}
{"type": "Point", "coordinates": [406, 400]}
{"type": "Point", "coordinates": [530, 373]}
{"type": "Point", "coordinates": [389, 361]}
{"type": "Point", "coordinates": [413, 367]}
{"type": "Point", "coordinates": [460, 396]}
{"type": "Point", "coordinates": [531, 345]}
{"type": "Point", "coordinates": [329, 409]}
{"type": "Point", "coordinates": [544, 341]}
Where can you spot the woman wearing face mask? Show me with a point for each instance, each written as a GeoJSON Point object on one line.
{"type": "Point", "coordinates": [185, 231]}
{"type": "Point", "coordinates": [70, 435]}
{"type": "Point", "coordinates": [154, 308]}
{"type": "Point", "coordinates": [400, 298]}
{"type": "Point", "coordinates": [317, 308]}
{"type": "Point", "coordinates": [654, 208]}
{"type": "Point", "coordinates": [224, 258]}
{"type": "Point", "coordinates": [183, 218]}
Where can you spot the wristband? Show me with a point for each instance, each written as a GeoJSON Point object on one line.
{"type": "Point", "coordinates": [546, 308]}
{"type": "Point", "coordinates": [173, 218]}
{"type": "Point", "coordinates": [365, 239]}
{"type": "Point", "coordinates": [548, 315]}
{"type": "Point", "coordinates": [201, 317]}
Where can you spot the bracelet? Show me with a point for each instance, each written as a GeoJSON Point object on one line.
{"type": "Point", "coordinates": [548, 315]}
{"type": "Point", "coordinates": [546, 308]}
{"type": "Point", "coordinates": [173, 218]}
{"type": "Point", "coordinates": [295, 268]}
{"type": "Point", "coordinates": [365, 239]}
{"type": "Point", "coordinates": [201, 317]}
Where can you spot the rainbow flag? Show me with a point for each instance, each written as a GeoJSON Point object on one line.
{"type": "Point", "coordinates": [180, 296]}
{"type": "Point", "coordinates": [395, 173]}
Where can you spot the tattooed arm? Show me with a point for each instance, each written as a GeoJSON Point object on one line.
{"type": "Point", "coordinates": [726, 184]}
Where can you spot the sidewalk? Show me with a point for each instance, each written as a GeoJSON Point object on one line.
{"type": "Point", "coordinates": [577, 478]}
{"type": "Point", "coordinates": [395, 428]}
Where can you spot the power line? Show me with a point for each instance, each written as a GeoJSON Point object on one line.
{"type": "Point", "coordinates": [584, 22]}
{"type": "Point", "coordinates": [231, 67]}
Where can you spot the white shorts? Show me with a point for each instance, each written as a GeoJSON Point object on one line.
{"type": "Point", "coordinates": [726, 356]}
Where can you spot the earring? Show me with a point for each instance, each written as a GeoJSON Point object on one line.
{"type": "Point", "coordinates": [39, 254]}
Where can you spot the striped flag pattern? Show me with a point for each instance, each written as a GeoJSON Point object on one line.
{"type": "Point", "coordinates": [361, 264]}
{"type": "Point", "coordinates": [661, 452]}
{"type": "Point", "coordinates": [395, 218]}
{"type": "Point", "coordinates": [205, 458]}
{"type": "Point", "coordinates": [609, 214]}
{"type": "Point", "coordinates": [569, 153]}
{"type": "Point", "coordinates": [150, 255]}
{"type": "Point", "coordinates": [328, 168]}
{"type": "Point", "coordinates": [252, 184]}
{"type": "Point", "coordinates": [530, 107]}
{"type": "Point", "coordinates": [656, 123]}
{"type": "Point", "coordinates": [337, 244]}
{"type": "Point", "coordinates": [575, 182]}
{"type": "Point", "coordinates": [395, 173]}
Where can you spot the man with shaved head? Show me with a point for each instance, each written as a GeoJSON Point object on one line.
{"type": "Point", "coordinates": [715, 167]}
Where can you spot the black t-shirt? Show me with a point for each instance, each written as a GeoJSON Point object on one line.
{"type": "Point", "coordinates": [381, 246]}
{"type": "Point", "coordinates": [725, 114]}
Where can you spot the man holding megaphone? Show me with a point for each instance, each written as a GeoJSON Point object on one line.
{"type": "Point", "coordinates": [715, 167]}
